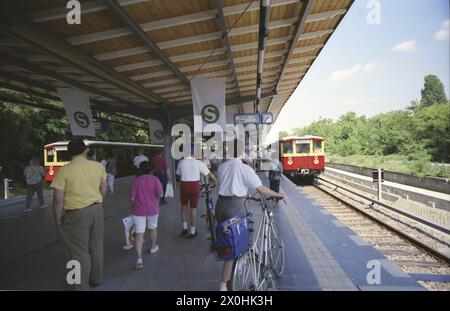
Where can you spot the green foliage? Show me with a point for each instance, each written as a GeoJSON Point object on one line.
{"type": "Point", "coordinates": [417, 135]}
{"type": "Point", "coordinates": [419, 162]}
{"type": "Point", "coordinates": [393, 133]}
{"type": "Point", "coordinates": [414, 106]}
{"type": "Point", "coordinates": [433, 92]}
{"type": "Point", "coordinates": [282, 134]}
{"type": "Point", "coordinates": [416, 164]}
{"type": "Point", "coordinates": [432, 127]}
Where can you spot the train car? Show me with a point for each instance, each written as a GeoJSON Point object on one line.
{"type": "Point", "coordinates": [56, 155]}
{"type": "Point", "coordinates": [302, 155]}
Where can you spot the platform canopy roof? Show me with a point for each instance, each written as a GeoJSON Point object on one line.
{"type": "Point", "coordinates": [138, 56]}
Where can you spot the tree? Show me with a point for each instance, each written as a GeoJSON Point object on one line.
{"type": "Point", "coordinates": [433, 92]}
{"type": "Point", "coordinates": [414, 106]}
{"type": "Point", "coordinates": [432, 125]}
{"type": "Point", "coordinates": [282, 134]}
{"type": "Point", "coordinates": [394, 133]}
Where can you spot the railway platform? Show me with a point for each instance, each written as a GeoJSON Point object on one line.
{"type": "Point", "coordinates": [321, 253]}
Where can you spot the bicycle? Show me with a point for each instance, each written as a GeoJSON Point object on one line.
{"type": "Point", "coordinates": [255, 269]}
{"type": "Point", "coordinates": [210, 215]}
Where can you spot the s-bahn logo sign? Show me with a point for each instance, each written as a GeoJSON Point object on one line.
{"type": "Point", "coordinates": [158, 134]}
{"type": "Point", "coordinates": [78, 110]}
{"type": "Point", "coordinates": [210, 114]}
{"type": "Point", "coordinates": [81, 119]}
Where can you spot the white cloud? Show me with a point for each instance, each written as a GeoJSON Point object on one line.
{"type": "Point", "coordinates": [407, 46]}
{"type": "Point", "coordinates": [444, 33]}
{"type": "Point", "coordinates": [348, 73]}
{"type": "Point", "coordinates": [369, 67]}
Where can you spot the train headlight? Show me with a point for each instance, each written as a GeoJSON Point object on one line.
{"type": "Point", "coordinates": [316, 160]}
{"type": "Point", "coordinates": [289, 161]}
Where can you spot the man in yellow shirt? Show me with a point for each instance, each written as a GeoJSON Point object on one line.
{"type": "Point", "coordinates": [79, 188]}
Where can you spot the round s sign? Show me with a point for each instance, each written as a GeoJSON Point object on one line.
{"type": "Point", "coordinates": [158, 134]}
{"type": "Point", "coordinates": [81, 119]}
{"type": "Point", "coordinates": [210, 114]}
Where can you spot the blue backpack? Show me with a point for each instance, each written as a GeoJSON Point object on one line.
{"type": "Point", "coordinates": [232, 237]}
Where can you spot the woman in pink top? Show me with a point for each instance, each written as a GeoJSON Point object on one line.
{"type": "Point", "coordinates": [146, 190]}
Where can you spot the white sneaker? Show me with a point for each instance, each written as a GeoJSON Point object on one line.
{"type": "Point", "coordinates": [223, 287]}
{"type": "Point", "coordinates": [154, 249]}
{"type": "Point", "coordinates": [128, 247]}
{"type": "Point", "coordinates": [139, 264]}
{"type": "Point", "coordinates": [27, 210]}
{"type": "Point", "coordinates": [44, 206]}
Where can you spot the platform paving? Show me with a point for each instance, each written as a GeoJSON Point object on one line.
{"type": "Point", "coordinates": [321, 254]}
{"type": "Point", "coordinates": [338, 256]}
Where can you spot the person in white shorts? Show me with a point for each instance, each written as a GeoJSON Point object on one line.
{"type": "Point", "coordinates": [146, 190]}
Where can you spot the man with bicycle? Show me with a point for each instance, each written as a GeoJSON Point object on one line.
{"type": "Point", "coordinates": [190, 169]}
{"type": "Point", "coordinates": [235, 179]}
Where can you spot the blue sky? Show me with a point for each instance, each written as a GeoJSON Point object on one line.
{"type": "Point", "coordinates": [373, 68]}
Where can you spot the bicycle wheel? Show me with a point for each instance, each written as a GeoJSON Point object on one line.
{"type": "Point", "coordinates": [267, 280]}
{"type": "Point", "coordinates": [244, 273]}
{"type": "Point", "coordinates": [276, 250]}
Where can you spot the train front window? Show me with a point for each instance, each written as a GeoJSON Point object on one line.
{"type": "Point", "coordinates": [302, 147]}
{"type": "Point", "coordinates": [287, 147]}
{"type": "Point", "coordinates": [50, 156]}
{"type": "Point", "coordinates": [64, 156]}
{"type": "Point", "coordinates": [317, 146]}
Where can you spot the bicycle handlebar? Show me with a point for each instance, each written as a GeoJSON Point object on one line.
{"type": "Point", "coordinates": [207, 186]}
{"type": "Point", "coordinates": [276, 199]}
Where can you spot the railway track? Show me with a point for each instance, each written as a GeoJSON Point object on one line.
{"type": "Point", "coordinates": [401, 241]}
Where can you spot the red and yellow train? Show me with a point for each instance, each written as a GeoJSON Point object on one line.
{"type": "Point", "coordinates": [302, 155]}
{"type": "Point", "coordinates": [56, 155]}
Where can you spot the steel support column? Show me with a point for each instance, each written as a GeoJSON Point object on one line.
{"type": "Point", "coordinates": [226, 43]}
{"type": "Point", "coordinates": [299, 27]}
{"type": "Point", "coordinates": [264, 13]}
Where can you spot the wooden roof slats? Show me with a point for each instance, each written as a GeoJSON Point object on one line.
{"type": "Point", "coordinates": [171, 22]}
{"type": "Point", "coordinates": [196, 17]}
{"type": "Point", "coordinates": [296, 36]}
{"type": "Point", "coordinates": [207, 37]}
{"type": "Point", "coordinates": [61, 12]}
{"type": "Point", "coordinates": [138, 31]}
{"type": "Point", "coordinates": [41, 38]}
{"type": "Point", "coordinates": [115, 59]}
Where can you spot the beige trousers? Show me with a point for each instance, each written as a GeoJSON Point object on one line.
{"type": "Point", "coordinates": [81, 234]}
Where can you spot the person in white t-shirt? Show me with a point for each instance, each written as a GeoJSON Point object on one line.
{"type": "Point", "coordinates": [190, 170]}
{"type": "Point", "coordinates": [214, 161]}
{"type": "Point", "coordinates": [139, 158]}
{"type": "Point", "coordinates": [235, 180]}
{"type": "Point", "coordinates": [104, 160]}
{"type": "Point", "coordinates": [207, 162]}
